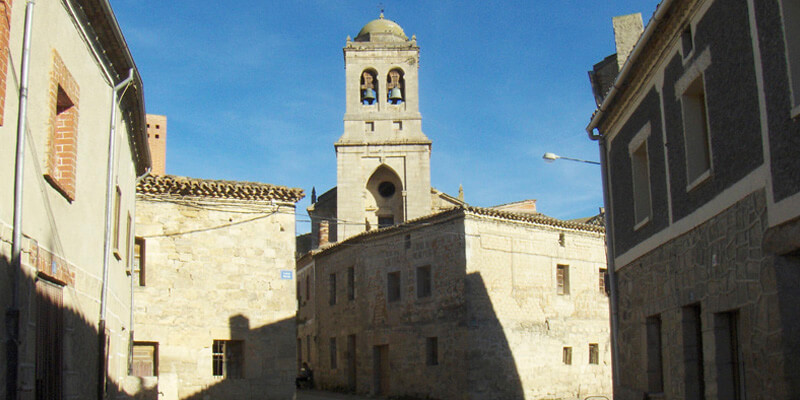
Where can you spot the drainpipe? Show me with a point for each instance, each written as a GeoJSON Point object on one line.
{"type": "Point", "coordinates": [133, 284]}
{"type": "Point", "coordinates": [612, 273]}
{"type": "Point", "coordinates": [12, 314]}
{"type": "Point", "coordinates": [110, 190]}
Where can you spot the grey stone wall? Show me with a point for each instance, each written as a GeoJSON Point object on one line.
{"type": "Point", "coordinates": [720, 266]}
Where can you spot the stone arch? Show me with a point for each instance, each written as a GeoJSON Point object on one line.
{"type": "Point", "coordinates": [385, 203]}
{"type": "Point", "coordinates": [395, 79]}
{"type": "Point", "coordinates": [369, 86]}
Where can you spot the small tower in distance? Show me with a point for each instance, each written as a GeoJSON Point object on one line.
{"type": "Point", "coordinates": [383, 158]}
{"type": "Point", "coordinates": [157, 141]}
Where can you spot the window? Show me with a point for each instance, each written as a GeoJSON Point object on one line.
{"type": "Point", "coordinates": [117, 202]}
{"type": "Point", "coordinates": [594, 353]}
{"type": "Point", "coordinates": [640, 170]}
{"type": "Point", "coordinates": [385, 221]}
{"type": "Point", "coordinates": [408, 242]}
{"type": "Point", "coordinates": [333, 353]}
{"type": "Point", "coordinates": [432, 351]}
{"type": "Point", "coordinates": [332, 289]}
{"type": "Point", "coordinates": [687, 44]}
{"type": "Point", "coordinates": [695, 133]}
{"type": "Point", "coordinates": [299, 351]}
{"type": "Point", "coordinates": [566, 355]}
{"type": "Point", "coordinates": [655, 375]}
{"type": "Point", "coordinates": [603, 275]}
{"type": "Point", "coordinates": [308, 286]}
{"type": "Point", "coordinates": [144, 359]}
{"type": "Point", "coordinates": [351, 283]}
{"type": "Point", "coordinates": [138, 261]}
{"type": "Point", "coordinates": [730, 384]}
{"type": "Point", "coordinates": [562, 279]}
{"type": "Point", "coordinates": [397, 125]}
{"type": "Point", "coordinates": [228, 359]}
{"type": "Point", "coordinates": [369, 126]}
{"type": "Point", "coordinates": [791, 33]}
{"type": "Point", "coordinates": [308, 348]}
{"type": "Point", "coordinates": [694, 379]}
{"type": "Point", "coordinates": [128, 232]}
{"type": "Point", "coordinates": [63, 136]}
{"type": "Point", "coordinates": [393, 286]}
{"type": "Point", "coordinates": [562, 239]}
{"type": "Point", "coordinates": [424, 281]}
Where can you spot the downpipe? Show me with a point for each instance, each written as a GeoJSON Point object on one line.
{"type": "Point", "coordinates": [612, 273]}
{"type": "Point", "coordinates": [12, 313]}
{"type": "Point", "coordinates": [110, 190]}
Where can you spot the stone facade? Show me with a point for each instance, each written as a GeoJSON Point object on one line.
{"type": "Point", "coordinates": [217, 264]}
{"type": "Point", "coordinates": [53, 302]}
{"type": "Point", "coordinates": [708, 279]}
{"type": "Point", "coordinates": [478, 288]}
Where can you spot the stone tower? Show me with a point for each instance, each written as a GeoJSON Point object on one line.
{"type": "Point", "coordinates": [383, 158]}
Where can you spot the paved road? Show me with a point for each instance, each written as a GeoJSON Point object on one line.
{"type": "Point", "coordinates": [306, 394]}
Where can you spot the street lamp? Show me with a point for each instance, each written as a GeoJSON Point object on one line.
{"type": "Point", "coordinates": [550, 157]}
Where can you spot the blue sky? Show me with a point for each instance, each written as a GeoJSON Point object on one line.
{"type": "Point", "coordinates": [254, 90]}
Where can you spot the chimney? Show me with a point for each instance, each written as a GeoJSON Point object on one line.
{"type": "Point", "coordinates": [323, 232]}
{"type": "Point", "coordinates": [627, 29]}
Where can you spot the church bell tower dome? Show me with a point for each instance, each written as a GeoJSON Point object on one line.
{"type": "Point", "coordinates": [381, 30]}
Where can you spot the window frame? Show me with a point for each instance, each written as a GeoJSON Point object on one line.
{"type": "Point", "coordinates": [154, 355]}
{"type": "Point", "coordinates": [636, 145]}
{"type": "Point", "coordinates": [792, 48]}
{"type": "Point", "coordinates": [562, 279]}
{"type": "Point", "coordinates": [224, 362]}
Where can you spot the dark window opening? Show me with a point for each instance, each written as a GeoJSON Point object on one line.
{"type": "Point", "coordinates": [424, 281]}
{"type": "Point", "coordinates": [386, 189]}
{"type": "Point", "coordinates": [432, 351]}
{"type": "Point", "coordinates": [566, 355]}
{"type": "Point", "coordinates": [594, 353]}
{"type": "Point", "coordinates": [351, 283]}
{"type": "Point", "coordinates": [385, 221]}
{"type": "Point", "coordinates": [393, 286]}
{"type": "Point", "coordinates": [332, 289]}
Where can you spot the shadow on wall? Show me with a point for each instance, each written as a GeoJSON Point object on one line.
{"type": "Point", "coordinates": [59, 353]}
{"type": "Point", "coordinates": [491, 369]}
{"type": "Point", "coordinates": [267, 367]}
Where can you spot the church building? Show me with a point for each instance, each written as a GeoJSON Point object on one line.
{"type": "Point", "coordinates": [406, 291]}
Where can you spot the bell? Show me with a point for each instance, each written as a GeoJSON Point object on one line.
{"type": "Point", "coordinates": [396, 95]}
{"type": "Point", "coordinates": [368, 96]}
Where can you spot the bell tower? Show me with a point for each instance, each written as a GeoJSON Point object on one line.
{"type": "Point", "coordinates": [383, 158]}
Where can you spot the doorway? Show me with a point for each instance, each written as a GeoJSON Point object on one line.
{"type": "Point", "coordinates": [380, 356]}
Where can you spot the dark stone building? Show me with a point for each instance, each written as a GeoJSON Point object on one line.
{"type": "Point", "coordinates": [700, 134]}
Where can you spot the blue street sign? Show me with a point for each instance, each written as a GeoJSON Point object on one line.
{"type": "Point", "coordinates": [286, 274]}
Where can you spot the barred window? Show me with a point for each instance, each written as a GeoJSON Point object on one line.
{"type": "Point", "coordinates": [228, 359]}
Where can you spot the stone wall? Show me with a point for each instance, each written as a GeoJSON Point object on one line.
{"type": "Point", "coordinates": [214, 272]}
{"type": "Point", "coordinates": [721, 267]}
{"type": "Point", "coordinates": [513, 299]}
{"type": "Point", "coordinates": [499, 325]}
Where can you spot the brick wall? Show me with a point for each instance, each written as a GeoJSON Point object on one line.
{"type": "Point", "coordinates": [63, 126]}
{"type": "Point", "coordinates": [5, 27]}
{"type": "Point", "coordinates": [157, 140]}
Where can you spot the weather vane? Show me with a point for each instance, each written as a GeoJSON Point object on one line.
{"type": "Point", "coordinates": [382, 7]}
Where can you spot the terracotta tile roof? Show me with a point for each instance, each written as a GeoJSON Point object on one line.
{"type": "Point", "coordinates": [537, 218]}
{"type": "Point", "coordinates": [194, 187]}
